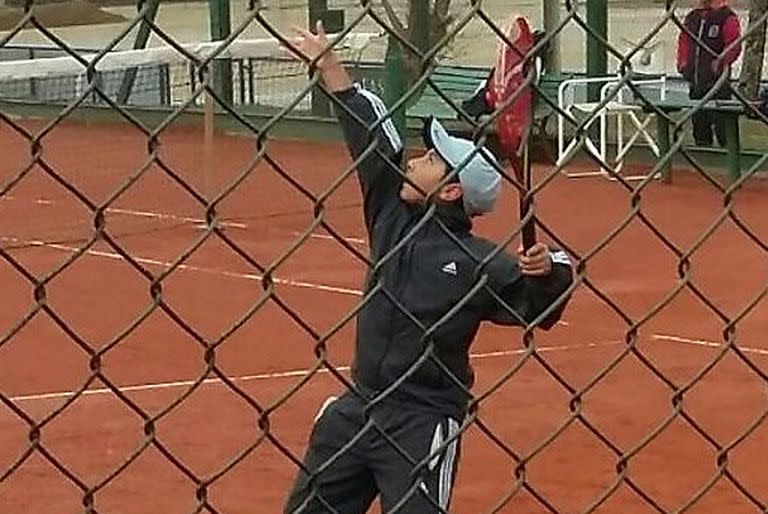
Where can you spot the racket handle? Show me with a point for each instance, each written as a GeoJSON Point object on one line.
{"type": "Point", "coordinates": [529, 234]}
{"type": "Point", "coordinates": [529, 229]}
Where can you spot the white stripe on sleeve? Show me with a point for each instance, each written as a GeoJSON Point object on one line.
{"type": "Point", "coordinates": [387, 126]}
{"type": "Point", "coordinates": [328, 401]}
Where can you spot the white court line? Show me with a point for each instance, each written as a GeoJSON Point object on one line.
{"type": "Point", "coordinates": [173, 217]}
{"type": "Point", "coordinates": [157, 215]}
{"type": "Point", "coordinates": [702, 342]}
{"type": "Point", "coordinates": [303, 372]}
{"type": "Point", "coordinates": [196, 221]}
{"type": "Point", "coordinates": [325, 237]}
{"type": "Point", "coordinates": [144, 214]}
{"type": "Point", "coordinates": [188, 267]}
{"type": "Point", "coordinates": [276, 375]}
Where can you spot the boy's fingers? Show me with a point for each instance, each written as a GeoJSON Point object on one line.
{"type": "Point", "coordinates": [295, 41]}
{"type": "Point", "coordinates": [320, 28]}
{"type": "Point", "coordinates": [533, 270]}
{"type": "Point", "coordinates": [534, 261]}
{"type": "Point", "coordinates": [536, 272]}
{"type": "Point", "coordinates": [301, 31]}
{"type": "Point", "coordinates": [537, 249]}
{"type": "Point", "coordinates": [295, 52]}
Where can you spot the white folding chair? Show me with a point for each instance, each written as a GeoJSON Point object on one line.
{"type": "Point", "coordinates": [620, 106]}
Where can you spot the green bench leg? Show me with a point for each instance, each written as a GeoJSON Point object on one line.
{"type": "Point", "coordinates": [733, 146]}
{"type": "Point", "coordinates": [662, 126]}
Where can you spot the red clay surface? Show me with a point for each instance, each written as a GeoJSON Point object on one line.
{"type": "Point", "coordinates": [99, 294]}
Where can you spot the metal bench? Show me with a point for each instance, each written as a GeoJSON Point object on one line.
{"type": "Point", "coordinates": [459, 83]}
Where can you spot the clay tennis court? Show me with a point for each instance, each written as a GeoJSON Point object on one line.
{"type": "Point", "coordinates": [180, 437]}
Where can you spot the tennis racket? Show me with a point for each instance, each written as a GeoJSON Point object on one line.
{"type": "Point", "coordinates": [513, 124]}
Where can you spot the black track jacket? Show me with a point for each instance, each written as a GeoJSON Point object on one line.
{"type": "Point", "coordinates": [425, 295]}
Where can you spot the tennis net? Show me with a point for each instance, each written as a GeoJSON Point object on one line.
{"type": "Point", "coordinates": [262, 73]}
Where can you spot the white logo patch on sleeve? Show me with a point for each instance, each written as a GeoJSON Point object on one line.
{"type": "Point", "coordinates": [560, 257]}
{"type": "Point", "coordinates": [450, 268]}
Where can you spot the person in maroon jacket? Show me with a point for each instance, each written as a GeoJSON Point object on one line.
{"type": "Point", "coordinates": [702, 61]}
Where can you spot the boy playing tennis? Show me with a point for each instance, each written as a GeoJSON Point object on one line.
{"type": "Point", "coordinates": [432, 283]}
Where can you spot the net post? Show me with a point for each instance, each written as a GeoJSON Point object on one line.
{"type": "Point", "coordinates": [220, 28]}
{"type": "Point", "coordinates": [220, 81]}
{"type": "Point", "coordinates": [333, 21]}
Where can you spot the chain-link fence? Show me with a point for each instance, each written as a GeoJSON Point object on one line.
{"type": "Point", "coordinates": [180, 301]}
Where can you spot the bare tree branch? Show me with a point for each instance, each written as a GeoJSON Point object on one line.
{"type": "Point", "coordinates": [440, 20]}
{"type": "Point", "coordinates": [397, 25]}
{"type": "Point", "coordinates": [441, 8]}
{"type": "Point", "coordinates": [426, 23]}
{"type": "Point", "coordinates": [754, 51]}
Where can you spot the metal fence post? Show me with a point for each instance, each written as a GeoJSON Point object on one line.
{"type": "Point", "coordinates": [333, 21]}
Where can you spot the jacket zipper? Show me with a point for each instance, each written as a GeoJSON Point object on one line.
{"type": "Point", "coordinates": [697, 52]}
{"type": "Point", "coordinates": [399, 281]}
{"type": "Point", "coordinates": [385, 350]}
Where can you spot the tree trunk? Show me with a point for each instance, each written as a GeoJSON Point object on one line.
{"type": "Point", "coordinates": [754, 51]}
{"type": "Point", "coordinates": [427, 22]}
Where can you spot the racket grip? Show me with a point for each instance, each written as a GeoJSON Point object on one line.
{"type": "Point", "coordinates": [529, 229]}
{"type": "Point", "coordinates": [529, 235]}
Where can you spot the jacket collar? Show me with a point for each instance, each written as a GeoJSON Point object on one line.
{"type": "Point", "coordinates": [451, 214]}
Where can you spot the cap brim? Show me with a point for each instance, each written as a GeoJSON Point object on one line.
{"type": "Point", "coordinates": [437, 138]}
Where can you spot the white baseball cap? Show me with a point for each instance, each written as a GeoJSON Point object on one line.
{"type": "Point", "coordinates": [477, 167]}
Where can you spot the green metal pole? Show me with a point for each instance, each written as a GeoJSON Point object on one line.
{"type": "Point", "coordinates": [662, 131]}
{"type": "Point", "coordinates": [597, 55]}
{"type": "Point", "coordinates": [419, 19]}
{"type": "Point", "coordinates": [315, 10]}
{"type": "Point", "coordinates": [394, 82]}
{"type": "Point", "coordinates": [733, 145]}
{"type": "Point", "coordinates": [220, 27]}
{"type": "Point", "coordinates": [551, 21]}
{"type": "Point", "coordinates": [142, 36]}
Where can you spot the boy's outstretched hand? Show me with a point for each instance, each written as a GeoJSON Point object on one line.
{"type": "Point", "coordinates": [315, 46]}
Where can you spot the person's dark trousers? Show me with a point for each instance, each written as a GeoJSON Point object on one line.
{"type": "Point", "coordinates": [350, 461]}
{"type": "Point", "coordinates": [709, 125]}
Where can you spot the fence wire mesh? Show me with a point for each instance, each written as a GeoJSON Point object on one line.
{"type": "Point", "coordinates": [649, 396]}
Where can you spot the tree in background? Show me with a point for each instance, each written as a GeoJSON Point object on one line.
{"type": "Point", "coordinates": [426, 23]}
{"type": "Point", "coordinates": [754, 51]}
